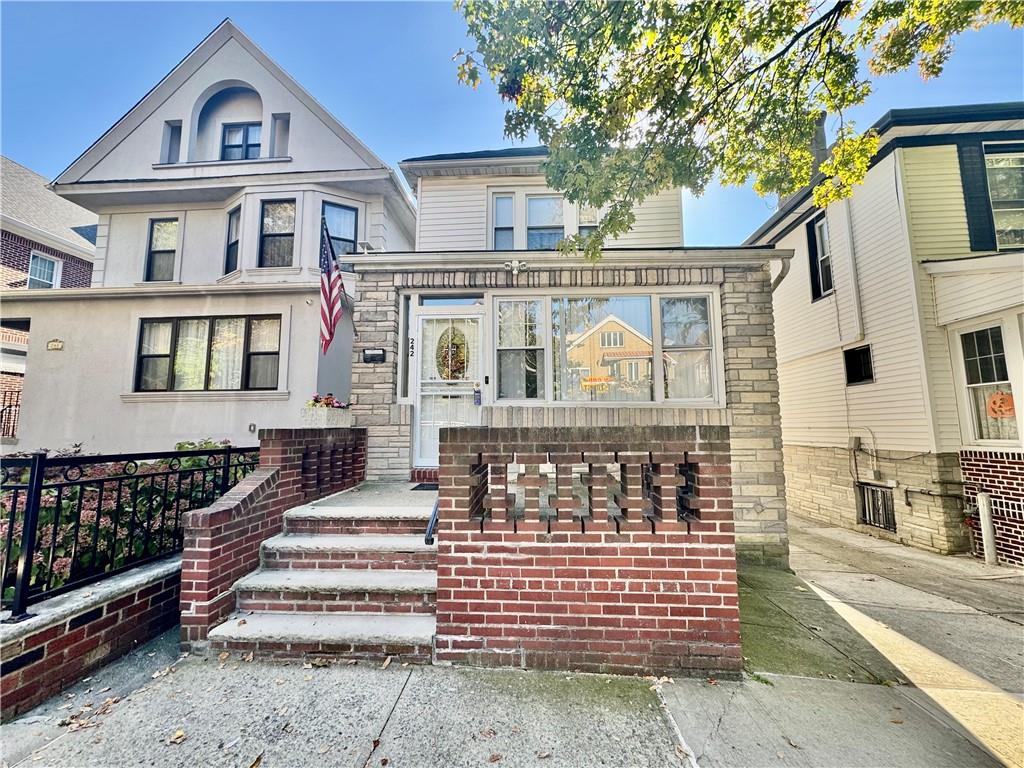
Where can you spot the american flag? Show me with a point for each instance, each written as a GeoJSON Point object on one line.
{"type": "Point", "coordinates": [330, 289]}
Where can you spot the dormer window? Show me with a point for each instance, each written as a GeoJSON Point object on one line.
{"type": "Point", "coordinates": [241, 141]}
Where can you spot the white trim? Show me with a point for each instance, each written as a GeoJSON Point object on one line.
{"type": "Point", "coordinates": [1013, 348]}
{"type": "Point", "coordinates": [58, 270]}
{"type": "Point", "coordinates": [204, 396]}
{"type": "Point", "coordinates": [989, 263]}
{"type": "Point", "coordinates": [41, 236]}
{"type": "Point", "coordinates": [206, 163]}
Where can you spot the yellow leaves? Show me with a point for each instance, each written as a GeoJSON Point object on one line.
{"type": "Point", "coordinates": [178, 737]}
{"type": "Point", "coordinates": [851, 156]}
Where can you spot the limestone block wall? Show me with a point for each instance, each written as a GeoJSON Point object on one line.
{"type": "Point", "coordinates": [751, 381]}
{"type": "Point", "coordinates": [820, 485]}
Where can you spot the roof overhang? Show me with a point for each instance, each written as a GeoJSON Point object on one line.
{"type": "Point", "coordinates": [613, 257]}
{"type": "Point", "coordinates": [904, 128]}
{"type": "Point", "coordinates": [413, 170]}
{"type": "Point", "coordinates": [48, 239]}
{"type": "Point", "coordinates": [1011, 261]}
{"type": "Point", "coordinates": [13, 298]}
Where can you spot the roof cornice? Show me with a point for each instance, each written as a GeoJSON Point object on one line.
{"type": "Point", "coordinates": [157, 291]}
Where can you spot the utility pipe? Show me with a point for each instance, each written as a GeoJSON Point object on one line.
{"type": "Point", "coordinates": [988, 528]}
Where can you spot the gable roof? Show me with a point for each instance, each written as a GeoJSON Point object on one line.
{"type": "Point", "coordinates": [184, 69]}
{"type": "Point", "coordinates": [892, 127]}
{"type": "Point", "coordinates": [30, 209]}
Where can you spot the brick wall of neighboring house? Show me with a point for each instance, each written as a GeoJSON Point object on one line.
{"type": "Point", "coordinates": [46, 653]}
{"type": "Point", "coordinates": [1002, 476]}
{"type": "Point", "coordinates": [644, 592]}
{"type": "Point", "coordinates": [222, 541]}
{"type": "Point", "coordinates": [11, 382]}
{"type": "Point", "coordinates": [751, 381]}
{"type": "Point", "coordinates": [15, 251]}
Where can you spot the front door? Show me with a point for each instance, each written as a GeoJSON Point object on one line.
{"type": "Point", "coordinates": [448, 374]}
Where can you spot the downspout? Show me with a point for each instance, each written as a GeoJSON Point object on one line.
{"type": "Point", "coordinates": [782, 274]}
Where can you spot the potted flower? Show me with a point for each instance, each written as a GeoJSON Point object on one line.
{"type": "Point", "coordinates": [326, 411]}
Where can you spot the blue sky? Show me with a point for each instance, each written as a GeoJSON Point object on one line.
{"type": "Point", "coordinates": [70, 70]}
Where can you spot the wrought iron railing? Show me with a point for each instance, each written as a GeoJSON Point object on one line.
{"type": "Point", "coordinates": [73, 520]}
{"type": "Point", "coordinates": [10, 409]}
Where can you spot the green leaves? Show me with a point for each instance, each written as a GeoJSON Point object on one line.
{"type": "Point", "coordinates": [635, 97]}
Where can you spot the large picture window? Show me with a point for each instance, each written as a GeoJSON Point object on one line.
{"type": "Point", "coordinates": [989, 394]}
{"type": "Point", "coordinates": [1005, 172]}
{"type": "Point", "coordinates": [520, 349]}
{"type": "Point", "coordinates": [277, 233]}
{"type": "Point", "coordinates": [607, 348]}
{"type": "Point", "coordinates": [208, 353]}
{"type": "Point", "coordinates": [595, 338]}
{"type": "Point", "coordinates": [342, 221]}
{"type": "Point", "coordinates": [163, 245]}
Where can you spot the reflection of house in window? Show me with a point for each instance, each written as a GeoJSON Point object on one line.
{"type": "Point", "coordinates": [617, 360]}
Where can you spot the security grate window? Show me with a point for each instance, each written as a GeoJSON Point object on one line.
{"type": "Point", "coordinates": [875, 506]}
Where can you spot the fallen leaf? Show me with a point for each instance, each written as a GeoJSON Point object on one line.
{"type": "Point", "coordinates": [223, 656]}
{"type": "Point", "coordinates": [376, 743]}
{"type": "Point", "coordinates": [240, 623]}
{"type": "Point", "coordinates": [495, 757]}
{"type": "Point", "coordinates": [800, 589]}
{"type": "Point", "coordinates": [543, 755]}
{"type": "Point", "coordinates": [279, 681]}
{"type": "Point", "coordinates": [320, 662]}
{"type": "Point", "coordinates": [248, 657]}
{"type": "Point", "coordinates": [306, 665]}
{"type": "Point", "coordinates": [351, 662]}
{"type": "Point", "coordinates": [307, 678]}
{"type": "Point", "coordinates": [793, 744]}
{"type": "Point", "coordinates": [177, 738]}
{"type": "Point", "coordinates": [104, 690]}
{"type": "Point", "coordinates": [712, 681]}
{"type": "Point", "coordinates": [387, 663]}
{"type": "Point", "coordinates": [256, 763]}
{"type": "Point", "coordinates": [896, 722]}
{"type": "Point", "coordinates": [488, 733]}
{"type": "Point", "coordinates": [384, 761]}
{"type": "Point", "coordinates": [681, 751]}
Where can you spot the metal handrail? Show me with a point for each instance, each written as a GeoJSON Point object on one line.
{"type": "Point", "coordinates": [432, 523]}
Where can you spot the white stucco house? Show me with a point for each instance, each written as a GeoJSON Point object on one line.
{"type": "Point", "coordinates": [900, 331]}
{"type": "Point", "coordinates": [203, 313]}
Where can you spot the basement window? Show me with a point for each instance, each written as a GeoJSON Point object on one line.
{"type": "Point", "coordinates": [875, 506]}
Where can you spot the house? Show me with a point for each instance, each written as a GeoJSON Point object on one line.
{"type": "Point", "coordinates": [899, 330]}
{"type": "Point", "coordinates": [46, 242]}
{"type": "Point", "coordinates": [487, 323]}
{"type": "Point", "coordinates": [202, 316]}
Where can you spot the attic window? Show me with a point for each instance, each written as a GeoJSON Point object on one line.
{"type": "Point", "coordinates": [241, 141]}
{"type": "Point", "coordinates": [170, 152]}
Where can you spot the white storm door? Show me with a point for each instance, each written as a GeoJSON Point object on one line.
{"type": "Point", "coordinates": [448, 373]}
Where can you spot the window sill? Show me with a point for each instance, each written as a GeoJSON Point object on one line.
{"type": "Point", "coordinates": [204, 163]}
{"type": "Point", "coordinates": [693, 405]}
{"type": "Point", "coordinates": [273, 271]}
{"type": "Point", "coordinates": [230, 277]}
{"type": "Point", "coordinates": [147, 283]}
{"type": "Point", "coordinates": [204, 397]}
{"type": "Point", "coordinates": [823, 296]}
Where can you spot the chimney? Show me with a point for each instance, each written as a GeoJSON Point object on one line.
{"type": "Point", "coordinates": [819, 149]}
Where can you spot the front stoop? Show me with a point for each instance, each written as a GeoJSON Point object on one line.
{"type": "Point", "coordinates": [347, 581]}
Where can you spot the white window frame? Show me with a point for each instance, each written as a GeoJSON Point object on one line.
{"type": "Point", "coordinates": [1011, 323]}
{"type": "Point", "coordinates": [824, 252]}
{"type": "Point", "coordinates": [717, 400]}
{"type": "Point", "coordinates": [545, 346]}
{"type": "Point", "coordinates": [519, 195]}
{"type": "Point", "coordinates": [58, 269]}
{"type": "Point", "coordinates": [492, 218]}
{"type": "Point", "coordinates": [526, 214]}
{"type": "Point", "coordinates": [612, 336]}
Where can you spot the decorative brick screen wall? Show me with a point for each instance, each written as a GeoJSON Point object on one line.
{"type": "Point", "coordinates": [633, 571]}
{"type": "Point", "coordinates": [1002, 476]}
{"type": "Point", "coordinates": [15, 252]}
{"type": "Point", "coordinates": [222, 541]}
{"type": "Point", "coordinates": [48, 652]}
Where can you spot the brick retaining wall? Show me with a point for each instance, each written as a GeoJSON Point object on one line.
{"type": "Point", "coordinates": [222, 541]}
{"type": "Point", "coordinates": [83, 630]}
{"type": "Point", "coordinates": [647, 592]}
{"type": "Point", "coordinates": [1002, 476]}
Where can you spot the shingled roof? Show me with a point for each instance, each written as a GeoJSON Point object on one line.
{"type": "Point", "coordinates": [26, 200]}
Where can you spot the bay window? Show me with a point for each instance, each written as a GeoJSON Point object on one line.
{"type": "Point", "coordinates": [341, 226]}
{"type": "Point", "coordinates": [277, 233]}
{"type": "Point", "coordinates": [208, 353]}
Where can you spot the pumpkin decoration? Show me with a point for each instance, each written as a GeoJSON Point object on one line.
{"type": "Point", "coordinates": [451, 355]}
{"type": "Point", "coordinates": [1000, 406]}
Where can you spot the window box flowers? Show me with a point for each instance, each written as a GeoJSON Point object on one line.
{"type": "Point", "coordinates": [325, 411]}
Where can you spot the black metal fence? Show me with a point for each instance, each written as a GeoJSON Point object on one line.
{"type": "Point", "coordinates": [10, 409]}
{"type": "Point", "coordinates": [69, 521]}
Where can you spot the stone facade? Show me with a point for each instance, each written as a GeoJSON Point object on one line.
{"type": "Point", "coordinates": [752, 405]}
{"type": "Point", "coordinates": [1001, 475]}
{"type": "Point", "coordinates": [820, 485]}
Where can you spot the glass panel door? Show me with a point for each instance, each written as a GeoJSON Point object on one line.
{"type": "Point", "coordinates": [449, 371]}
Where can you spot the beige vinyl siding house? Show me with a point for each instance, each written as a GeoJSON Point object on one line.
{"type": "Point", "coordinates": [883, 453]}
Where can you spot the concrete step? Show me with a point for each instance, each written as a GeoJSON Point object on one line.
{"type": "Point", "coordinates": [319, 518]}
{"type": "Point", "coordinates": [348, 551]}
{"type": "Point", "coordinates": [335, 591]}
{"type": "Point", "coordinates": [352, 635]}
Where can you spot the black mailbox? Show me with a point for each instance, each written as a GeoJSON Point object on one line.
{"type": "Point", "coordinates": [373, 356]}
